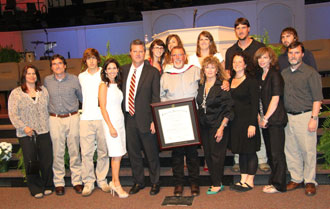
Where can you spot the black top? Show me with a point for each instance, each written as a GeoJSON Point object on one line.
{"type": "Point", "coordinates": [219, 104]}
{"type": "Point", "coordinates": [273, 85]}
{"type": "Point", "coordinates": [246, 106]}
{"type": "Point", "coordinates": [250, 51]}
{"type": "Point", "coordinates": [308, 59]}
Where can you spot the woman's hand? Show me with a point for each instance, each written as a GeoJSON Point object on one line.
{"type": "Point", "coordinates": [28, 131]}
{"type": "Point", "coordinates": [113, 132]}
{"type": "Point", "coordinates": [218, 136]}
{"type": "Point", "coordinates": [251, 131]}
{"type": "Point", "coordinates": [263, 123]}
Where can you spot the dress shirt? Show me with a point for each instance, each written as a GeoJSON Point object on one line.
{"type": "Point", "coordinates": [63, 94]}
{"type": "Point", "coordinates": [128, 83]}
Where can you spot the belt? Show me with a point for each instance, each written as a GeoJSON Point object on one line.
{"type": "Point", "coordinates": [63, 115]}
{"type": "Point", "coordinates": [297, 113]}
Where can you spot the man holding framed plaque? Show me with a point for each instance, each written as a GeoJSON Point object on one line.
{"type": "Point", "coordinates": [179, 82]}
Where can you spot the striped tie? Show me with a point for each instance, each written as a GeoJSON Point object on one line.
{"type": "Point", "coordinates": [131, 105]}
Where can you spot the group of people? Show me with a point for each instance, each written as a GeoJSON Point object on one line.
{"type": "Point", "coordinates": [249, 98]}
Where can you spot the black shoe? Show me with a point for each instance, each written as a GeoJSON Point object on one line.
{"type": "Point", "coordinates": [178, 190]}
{"type": "Point", "coordinates": [154, 189]}
{"type": "Point", "coordinates": [136, 188]}
{"type": "Point", "coordinates": [194, 189]}
{"type": "Point", "coordinates": [59, 190]}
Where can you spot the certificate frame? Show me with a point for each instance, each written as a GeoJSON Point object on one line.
{"type": "Point", "coordinates": [159, 126]}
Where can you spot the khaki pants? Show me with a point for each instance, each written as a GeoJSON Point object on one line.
{"type": "Point", "coordinates": [65, 130]}
{"type": "Point", "coordinates": [300, 148]}
{"type": "Point", "coordinates": [91, 131]}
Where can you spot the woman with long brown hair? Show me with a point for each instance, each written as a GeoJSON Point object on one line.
{"type": "Point", "coordinates": [157, 54]}
{"type": "Point", "coordinates": [28, 112]}
{"type": "Point", "coordinates": [110, 99]}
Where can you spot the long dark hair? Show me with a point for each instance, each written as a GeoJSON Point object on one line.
{"type": "Point", "coordinates": [104, 76]}
{"type": "Point", "coordinates": [249, 64]}
{"type": "Point", "coordinates": [23, 78]}
{"type": "Point", "coordinates": [159, 43]}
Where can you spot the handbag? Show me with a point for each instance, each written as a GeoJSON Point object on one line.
{"type": "Point", "coordinates": [33, 166]}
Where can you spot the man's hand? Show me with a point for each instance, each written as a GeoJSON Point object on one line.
{"type": "Point", "coordinates": [312, 125]}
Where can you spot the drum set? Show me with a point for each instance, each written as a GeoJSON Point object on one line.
{"type": "Point", "coordinates": [29, 56]}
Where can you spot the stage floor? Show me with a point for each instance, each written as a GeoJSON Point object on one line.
{"type": "Point", "coordinates": [20, 198]}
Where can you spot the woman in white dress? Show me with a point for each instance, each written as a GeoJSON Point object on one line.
{"type": "Point", "coordinates": [205, 47]}
{"type": "Point", "coordinates": [110, 99]}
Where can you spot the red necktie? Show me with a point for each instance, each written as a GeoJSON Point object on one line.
{"type": "Point", "coordinates": [131, 105]}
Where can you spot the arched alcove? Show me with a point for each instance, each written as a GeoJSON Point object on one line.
{"type": "Point", "coordinates": [274, 18]}
{"type": "Point", "coordinates": [222, 17]}
{"type": "Point", "coordinates": [167, 22]}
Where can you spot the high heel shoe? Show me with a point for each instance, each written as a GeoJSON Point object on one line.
{"type": "Point", "coordinates": [118, 190]}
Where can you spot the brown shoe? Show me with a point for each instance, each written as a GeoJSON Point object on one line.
{"type": "Point", "coordinates": [310, 189]}
{"type": "Point", "coordinates": [293, 185]}
{"type": "Point", "coordinates": [59, 190]}
{"type": "Point", "coordinates": [178, 190]}
{"type": "Point", "coordinates": [194, 189]}
{"type": "Point", "coordinates": [78, 188]}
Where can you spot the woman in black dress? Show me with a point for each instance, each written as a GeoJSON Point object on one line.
{"type": "Point", "coordinates": [214, 111]}
{"type": "Point", "coordinates": [273, 117]}
{"type": "Point", "coordinates": [245, 136]}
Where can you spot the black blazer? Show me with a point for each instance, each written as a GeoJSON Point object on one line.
{"type": "Point", "coordinates": [148, 90]}
{"type": "Point", "coordinates": [219, 104]}
{"type": "Point", "coordinates": [273, 85]}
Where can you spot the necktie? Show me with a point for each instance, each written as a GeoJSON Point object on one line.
{"type": "Point", "coordinates": [131, 105]}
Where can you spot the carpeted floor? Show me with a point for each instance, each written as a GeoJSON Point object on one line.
{"type": "Point", "coordinates": [16, 198]}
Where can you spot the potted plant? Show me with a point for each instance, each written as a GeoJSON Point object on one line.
{"type": "Point", "coordinates": [5, 155]}
{"type": "Point", "coordinates": [324, 145]}
{"type": "Point", "coordinates": [8, 54]}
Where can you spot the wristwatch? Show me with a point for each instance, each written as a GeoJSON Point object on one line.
{"type": "Point", "coordinates": [314, 117]}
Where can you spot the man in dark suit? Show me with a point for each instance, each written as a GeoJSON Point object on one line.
{"type": "Point", "coordinates": [140, 89]}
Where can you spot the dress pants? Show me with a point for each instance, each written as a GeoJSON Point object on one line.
{"type": "Point", "coordinates": [91, 131]}
{"type": "Point", "coordinates": [300, 149]}
{"type": "Point", "coordinates": [137, 141]}
{"type": "Point", "coordinates": [274, 140]}
{"type": "Point", "coordinates": [65, 131]}
{"type": "Point", "coordinates": [215, 153]}
{"type": "Point", "coordinates": [36, 183]}
{"type": "Point", "coordinates": [192, 161]}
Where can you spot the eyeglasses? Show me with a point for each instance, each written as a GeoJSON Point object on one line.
{"type": "Point", "coordinates": [159, 48]}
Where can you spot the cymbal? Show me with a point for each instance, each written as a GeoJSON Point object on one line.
{"type": "Point", "coordinates": [50, 42]}
{"type": "Point", "coordinates": [37, 42]}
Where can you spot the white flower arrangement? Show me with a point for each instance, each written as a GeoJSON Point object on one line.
{"type": "Point", "coordinates": [5, 151]}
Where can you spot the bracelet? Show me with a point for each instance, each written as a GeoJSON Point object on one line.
{"type": "Point", "coordinates": [264, 119]}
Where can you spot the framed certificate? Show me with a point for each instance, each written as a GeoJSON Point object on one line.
{"type": "Point", "coordinates": [176, 123]}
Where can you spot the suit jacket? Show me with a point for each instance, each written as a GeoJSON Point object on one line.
{"type": "Point", "coordinates": [148, 90]}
